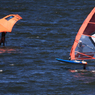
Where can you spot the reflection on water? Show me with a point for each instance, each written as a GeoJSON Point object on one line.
{"type": "Point", "coordinates": [9, 50]}
{"type": "Point", "coordinates": [84, 76]}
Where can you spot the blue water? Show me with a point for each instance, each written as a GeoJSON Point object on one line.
{"type": "Point", "coordinates": [47, 31]}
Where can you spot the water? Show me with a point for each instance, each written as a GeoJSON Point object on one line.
{"type": "Point", "coordinates": [46, 32]}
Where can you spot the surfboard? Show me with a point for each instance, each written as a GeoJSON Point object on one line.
{"type": "Point", "coordinates": [71, 61]}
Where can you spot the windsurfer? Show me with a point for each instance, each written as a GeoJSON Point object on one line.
{"type": "Point", "coordinates": [3, 38]}
{"type": "Point", "coordinates": [80, 48]}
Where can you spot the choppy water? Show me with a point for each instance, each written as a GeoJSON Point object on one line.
{"type": "Point", "coordinates": [46, 32]}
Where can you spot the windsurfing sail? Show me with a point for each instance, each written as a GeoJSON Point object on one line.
{"type": "Point", "coordinates": [84, 44]}
{"type": "Point", "coordinates": [7, 23]}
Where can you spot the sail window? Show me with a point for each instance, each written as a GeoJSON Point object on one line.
{"type": "Point", "coordinates": [93, 39]}
{"type": "Point", "coordinates": [10, 17]}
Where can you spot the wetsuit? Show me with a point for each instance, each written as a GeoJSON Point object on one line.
{"type": "Point", "coordinates": [3, 38]}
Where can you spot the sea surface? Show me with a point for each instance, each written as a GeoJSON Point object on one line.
{"type": "Point", "coordinates": [28, 64]}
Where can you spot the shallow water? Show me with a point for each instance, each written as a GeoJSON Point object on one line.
{"type": "Point", "coordinates": [47, 31]}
